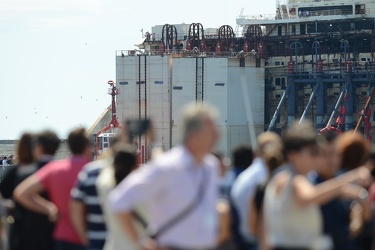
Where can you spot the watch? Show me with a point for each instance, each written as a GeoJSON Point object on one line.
{"type": "Point", "coordinates": [363, 194]}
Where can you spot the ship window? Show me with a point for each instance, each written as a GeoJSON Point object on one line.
{"type": "Point", "coordinates": [302, 28]}
{"type": "Point", "coordinates": [269, 50]}
{"type": "Point", "coordinates": [293, 29]}
{"type": "Point", "coordinates": [277, 63]}
{"type": "Point", "coordinates": [105, 145]}
{"type": "Point", "coordinates": [326, 10]}
{"type": "Point", "coordinates": [278, 96]}
{"type": "Point", "coordinates": [360, 9]}
{"type": "Point", "coordinates": [283, 83]}
{"type": "Point", "coordinates": [277, 81]}
{"type": "Point", "coordinates": [177, 87]}
{"type": "Point", "coordinates": [219, 84]}
{"type": "Point", "coordinates": [311, 28]}
{"type": "Point", "coordinates": [279, 30]}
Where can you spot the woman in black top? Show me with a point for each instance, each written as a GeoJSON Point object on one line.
{"type": "Point", "coordinates": [29, 230]}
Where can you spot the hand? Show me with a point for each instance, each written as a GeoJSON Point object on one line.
{"type": "Point", "coordinates": [351, 191]}
{"type": "Point", "coordinates": [147, 244]}
{"type": "Point", "coordinates": [363, 176]}
{"type": "Point", "coordinates": [53, 213]}
{"type": "Point", "coordinates": [150, 244]}
{"type": "Point", "coordinates": [356, 220]}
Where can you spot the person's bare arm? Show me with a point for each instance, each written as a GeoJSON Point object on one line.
{"type": "Point", "coordinates": [126, 220]}
{"type": "Point", "coordinates": [28, 192]}
{"type": "Point", "coordinates": [128, 224]}
{"type": "Point", "coordinates": [252, 219]}
{"type": "Point", "coordinates": [224, 222]}
{"type": "Point", "coordinates": [262, 232]}
{"type": "Point", "coordinates": [359, 194]}
{"type": "Point", "coordinates": [305, 193]}
{"type": "Point", "coordinates": [77, 217]}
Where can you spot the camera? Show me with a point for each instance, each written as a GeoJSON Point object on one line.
{"type": "Point", "coordinates": [137, 127]}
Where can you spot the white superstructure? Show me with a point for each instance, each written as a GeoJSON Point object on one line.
{"type": "Point", "coordinates": [159, 86]}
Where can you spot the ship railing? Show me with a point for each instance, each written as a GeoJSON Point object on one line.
{"type": "Point", "coordinates": [305, 14]}
{"type": "Point", "coordinates": [309, 1]}
{"type": "Point", "coordinates": [133, 52]}
{"type": "Point", "coordinates": [258, 17]}
{"type": "Point", "coordinates": [335, 12]}
{"type": "Point", "coordinates": [197, 53]}
{"type": "Point", "coordinates": [336, 70]}
{"type": "Point", "coordinates": [184, 53]}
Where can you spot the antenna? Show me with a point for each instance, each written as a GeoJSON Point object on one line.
{"type": "Point", "coordinates": [237, 26]}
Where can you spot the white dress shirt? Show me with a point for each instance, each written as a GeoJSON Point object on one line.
{"type": "Point", "coordinates": [243, 191]}
{"type": "Point", "coordinates": [167, 186]}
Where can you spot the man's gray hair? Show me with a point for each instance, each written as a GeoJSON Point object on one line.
{"type": "Point", "coordinates": [193, 117]}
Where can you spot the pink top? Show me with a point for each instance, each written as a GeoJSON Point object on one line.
{"type": "Point", "coordinates": [58, 178]}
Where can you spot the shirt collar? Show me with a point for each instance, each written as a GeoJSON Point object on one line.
{"type": "Point", "coordinates": [188, 158]}
{"type": "Point", "coordinates": [78, 158]}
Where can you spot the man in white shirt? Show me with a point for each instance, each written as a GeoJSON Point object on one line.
{"type": "Point", "coordinates": [245, 186]}
{"type": "Point", "coordinates": [186, 176]}
{"type": "Point", "coordinates": [4, 163]}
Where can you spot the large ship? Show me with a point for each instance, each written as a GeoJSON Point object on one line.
{"type": "Point", "coordinates": [309, 60]}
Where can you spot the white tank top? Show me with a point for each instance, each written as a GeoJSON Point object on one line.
{"type": "Point", "coordinates": [289, 225]}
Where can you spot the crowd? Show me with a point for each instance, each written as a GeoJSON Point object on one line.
{"type": "Point", "coordinates": [298, 191]}
{"type": "Point", "coordinates": [6, 160]}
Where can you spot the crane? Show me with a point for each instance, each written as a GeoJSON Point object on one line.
{"type": "Point", "coordinates": [103, 139]}
{"type": "Point", "coordinates": [365, 114]}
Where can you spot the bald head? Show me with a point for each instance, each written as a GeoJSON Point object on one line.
{"type": "Point", "coordinates": [199, 130]}
{"type": "Point", "coordinates": [194, 117]}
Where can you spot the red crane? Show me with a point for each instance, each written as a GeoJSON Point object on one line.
{"type": "Point", "coordinates": [114, 122]}
{"type": "Point", "coordinates": [103, 139]}
{"type": "Point", "coordinates": [365, 114]}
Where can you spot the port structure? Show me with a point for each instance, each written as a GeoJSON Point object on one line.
{"type": "Point", "coordinates": [316, 62]}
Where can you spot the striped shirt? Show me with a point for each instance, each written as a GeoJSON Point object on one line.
{"type": "Point", "coordinates": [85, 192]}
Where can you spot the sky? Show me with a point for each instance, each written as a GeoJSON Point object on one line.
{"type": "Point", "coordinates": [56, 57]}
